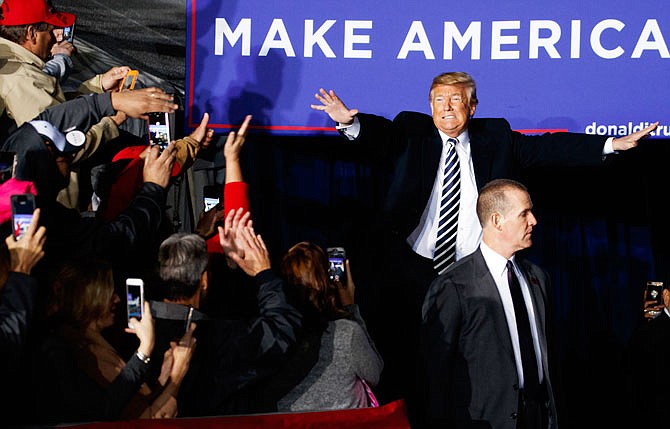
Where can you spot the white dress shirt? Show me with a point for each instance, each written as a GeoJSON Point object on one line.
{"type": "Point", "coordinates": [423, 237]}
{"type": "Point", "coordinates": [497, 265]}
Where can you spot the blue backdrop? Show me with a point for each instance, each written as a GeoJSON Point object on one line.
{"type": "Point", "coordinates": [581, 66]}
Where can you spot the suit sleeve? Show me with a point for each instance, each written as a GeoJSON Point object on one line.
{"type": "Point", "coordinates": [439, 339]}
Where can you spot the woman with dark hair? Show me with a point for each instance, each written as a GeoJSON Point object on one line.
{"type": "Point", "coordinates": [335, 359]}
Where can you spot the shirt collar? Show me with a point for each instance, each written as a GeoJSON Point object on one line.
{"type": "Point", "coordinates": [496, 262]}
{"type": "Point", "coordinates": [463, 138]}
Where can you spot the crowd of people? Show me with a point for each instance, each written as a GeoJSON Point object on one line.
{"type": "Point", "coordinates": [464, 322]}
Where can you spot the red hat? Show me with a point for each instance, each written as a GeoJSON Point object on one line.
{"type": "Point", "coordinates": [24, 12]}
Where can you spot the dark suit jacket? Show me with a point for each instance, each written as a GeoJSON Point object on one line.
{"type": "Point", "coordinates": [412, 141]}
{"type": "Point", "coordinates": [471, 375]}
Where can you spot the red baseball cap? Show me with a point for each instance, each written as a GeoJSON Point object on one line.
{"type": "Point", "coordinates": [24, 12]}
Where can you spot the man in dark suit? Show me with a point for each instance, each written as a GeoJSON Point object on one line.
{"type": "Point", "coordinates": [403, 242]}
{"type": "Point", "coordinates": [472, 336]}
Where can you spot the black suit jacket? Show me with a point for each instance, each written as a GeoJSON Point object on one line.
{"type": "Point", "coordinates": [470, 371]}
{"type": "Point", "coordinates": [413, 143]}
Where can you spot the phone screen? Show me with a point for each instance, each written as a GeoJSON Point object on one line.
{"type": "Point", "coordinates": [159, 129]}
{"type": "Point", "coordinates": [23, 206]}
{"type": "Point", "coordinates": [134, 298]}
{"type": "Point", "coordinates": [211, 195]}
{"type": "Point", "coordinates": [336, 258]}
{"type": "Point", "coordinates": [654, 292]}
{"type": "Point", "coordinates": [210, 203]}
{"type": "Point", "coordinates": [68, 33]}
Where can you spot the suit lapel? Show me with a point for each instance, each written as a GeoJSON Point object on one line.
{"type": "Point", "coordinates": [482, 150]}
{"type": "Point", "coordinates": [489, 288]}
{"type": "Point", "coordinates": [430, 159]}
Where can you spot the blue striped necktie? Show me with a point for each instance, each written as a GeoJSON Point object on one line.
{"type": "Point", "coordinates": [450, 198]}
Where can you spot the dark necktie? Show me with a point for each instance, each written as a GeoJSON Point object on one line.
{"type": "Point", "coordinates": [450, 198]}
{"type": "Point", "coordinates": [528, 359]}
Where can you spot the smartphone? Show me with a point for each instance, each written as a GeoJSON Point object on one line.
{"type": "Point", "coordinates": [159, 129]}
{"type": "Point", "coordinates": [128, 81]}
{"type": "Point", "coordinates": [7, 165]}
{"type": "Point", "coordinates": [211, 196]}
{"type": "Point", "coordinates": [68, 33]}
{"type": "Point", "coordinates": [336, 258]}
{"type": "Point", "coordinates": [189, 318]}
{"type": "Point", "coordinates": [23, 206]}
{"type": "Point", "coordinates": [654, 292]}
{"type": "Point", "coordinates": [134, 298]}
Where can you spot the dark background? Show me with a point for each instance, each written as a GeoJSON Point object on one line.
{"type": "Point", "coordinates": [602, 232]}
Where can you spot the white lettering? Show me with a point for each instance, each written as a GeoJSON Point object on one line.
{"type": "Point", "coordinates": [497, 40]}
{"type": "Point", "coordinates": [597, 46]}
{"type": "Point", "coordinates": [643, 43]}
{"type": "Point", "coordinates": [312, 38]}
{"type": "Point", "coordinates": [222, 29]}
{"type": "Point", "coordinates": [547, 42]}
{"type": "Point", "coordinates": [473, 33]}
{"type": "Point", "coordinates": [277, 29]}
{"type": "Point", "coordinates": [423, 45]}
{"type": "Point", "coordinates": [350, 38]}
{"type": "Point", "coordinates": [576, 38]}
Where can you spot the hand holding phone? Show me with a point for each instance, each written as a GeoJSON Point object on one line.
{"type": "Point", "coordinates": [23, 207]}
{"type": "Point", "coordinates": [336, 258]}
{"type": "Point", "coordinates": [68, 33]}
{"type": "Point", "coordinates": [653, 299]}
{"type": "Point", "coordinates": [159, 129]}
{"type": "Point", "coordinates": [134, 299]}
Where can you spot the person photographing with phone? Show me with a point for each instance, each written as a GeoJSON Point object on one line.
{"type": "Point", "coordinates": [19, 299]}
{"type": "Point", "coordinates": [335, 363]}
{"type": "Point", "coordinates": [233, 355]}
{"type": "Point", "coordinates": [79, 376]}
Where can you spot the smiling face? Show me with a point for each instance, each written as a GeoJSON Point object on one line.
{"type": "Point", "coordinates": [451, 108]}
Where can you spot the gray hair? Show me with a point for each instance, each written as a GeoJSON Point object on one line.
{"type": "Point", "coordinates": [182, 260]}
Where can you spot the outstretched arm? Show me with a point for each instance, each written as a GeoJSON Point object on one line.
{"type": "Point", "coordinates": [631, 140]}
{"type": "Point", "coordinates": [336, 109]}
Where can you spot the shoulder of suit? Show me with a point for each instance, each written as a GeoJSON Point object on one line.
{"type": "Point", "coordinates": [486, 124]}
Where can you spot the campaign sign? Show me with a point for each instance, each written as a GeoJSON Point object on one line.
{"type": "Point", "coordinates": [581, 66]}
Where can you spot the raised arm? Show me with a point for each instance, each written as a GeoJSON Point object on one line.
{"type": "Point", "coordinates": [336, 109]}
{"type": "Point", "coordinates": [631, 140]}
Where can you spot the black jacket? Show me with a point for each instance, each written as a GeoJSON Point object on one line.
{"type": "Point", "coordinates": [231, 356]}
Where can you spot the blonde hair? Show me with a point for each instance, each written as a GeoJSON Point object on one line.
{"type": "Point", "coordinates": [460, 79]}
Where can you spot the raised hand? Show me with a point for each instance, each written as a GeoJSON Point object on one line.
{"type": "Point", "coordinates": [27, 251]}
{"type": "Point", "coordinates": [631, 140]}
{"type": "Point", "coordinates": [256, 256]}
{"type": "Point", "coordinates": [138, 102]}
{"type": "Point", "coordinates": [235, 220]}
{"type": "Point", "coordinates": [331, 104]}
{"type": "Point", "coordinates": [158, 165]}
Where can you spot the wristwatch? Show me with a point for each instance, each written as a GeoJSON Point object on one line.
{"type": "Point", "coordinates": [141, 356]}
